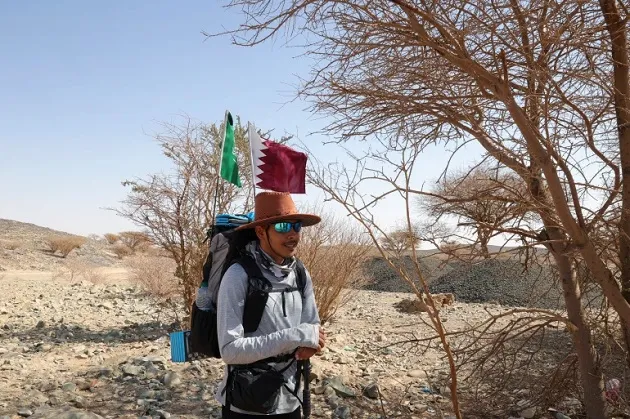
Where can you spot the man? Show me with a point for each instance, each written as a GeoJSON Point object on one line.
{"type": "Point", "coordinates": [289, 328]}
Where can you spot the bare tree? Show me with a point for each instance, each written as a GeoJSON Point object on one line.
{"type": "Point", "coordinates": [483, 199]}
{"type": "Point", "coordinates": [134, 239]}
{"type": "Point", "coordinates": [529, 82]}
{"type": "Point", "coordinates": [401, 239]}
{"type": "Point", "coordinates": [344, 186]}
{"type": "Point", "coordinates": [178, 208]}
{"type": "Point", "coordinates": [616, 18]}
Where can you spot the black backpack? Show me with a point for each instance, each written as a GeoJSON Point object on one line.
{"type": "Point", "coordinates": [227, 247]}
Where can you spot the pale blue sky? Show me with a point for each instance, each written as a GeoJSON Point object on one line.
{"type": "Point", "coordinates": [83, 84]}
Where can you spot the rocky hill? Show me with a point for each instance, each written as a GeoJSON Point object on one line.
{"type": "Point", "coordinates": [505, 281]}
{"type": "Point", "coordinates": [24, 246]}
{"type": "Point", "coordinates": [500, 280]}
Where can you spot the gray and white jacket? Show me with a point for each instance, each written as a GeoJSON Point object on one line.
{"type": "Point", "coordinates": [277, 334]}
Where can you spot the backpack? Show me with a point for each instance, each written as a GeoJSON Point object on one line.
{"type": "Point", "coordinates": [227, 247]}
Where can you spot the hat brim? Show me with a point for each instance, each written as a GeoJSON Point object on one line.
{"type": "Point", "coordinates": [306, 219]}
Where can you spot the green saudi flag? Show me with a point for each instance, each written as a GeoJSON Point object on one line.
{"type": "Point", "coordinates": [229, 164]}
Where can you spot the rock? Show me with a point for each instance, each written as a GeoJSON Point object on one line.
{"type": "Point", "coordinates": [106, 305]}
{"type": "Point", "coordinates": [171, 379]}
{"type": "Point", "coordinates": [79, 348]}
{"type": "Point", "coordinates": [341, 360]}
{"type": "Point", "coordinates": [319, 389]}
{"type": "Point", "coordinates": [421, 408]}
{"type": "Point", "coordinates": [329, 391]}
{"type": "Point", "coordinates": [69, 387]}
{"type": "Point", "coordinates": [371, 391]}
{"type": "Point", "coordinates": [163, 414]}
{"type": "Point", "coordinates": [147, 394]}
{"type": "Point", "coordinates": [132, 369]}
{"type": "Point", "coordinates": [105, 372]}
{"type": "Point", "coordinates": [78, 402]}
{"type": "Point", "coordinates": [40, 324]}
{"type": "Point", "coordinates": [528, 413]}
{"type": "Point", "coordinates": [156, 360]}
{"type": "Point", "coordinates": [64, 413]}
{"type": "Point", "coordinates": [416, 373]}
{"type": "Point", "coordinates": [25, 413]}
{"type": "Point", "coordinates": [340, 388]}
{"type": "Point", "coordinates": [84, 385]}
{"type": "Point", "coordinates": [445, 391]}
{"type": "Point", "coordinates": [342, 412]}
{"type": "Point", "coordinates": [152, 371]}
{"type": "Point", "coordinates": [570, 405]}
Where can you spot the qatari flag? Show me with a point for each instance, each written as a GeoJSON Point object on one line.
{"type": "Point", "coordinates": [277, 167]}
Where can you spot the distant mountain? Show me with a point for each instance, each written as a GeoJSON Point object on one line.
{"type": "Point", "coordinates": [24, 246]}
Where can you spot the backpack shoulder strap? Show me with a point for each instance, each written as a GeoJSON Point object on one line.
{"type": "Point", "coordinates": [300, 276]}
{"type": "Point", "coordinates": [257, 293]}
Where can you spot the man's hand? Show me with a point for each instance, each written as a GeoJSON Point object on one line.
{"type": "Point", "coordinates": [304, 353]}
{"type": "Point", "coordinates": [322, 339]}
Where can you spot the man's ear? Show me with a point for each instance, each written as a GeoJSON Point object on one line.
{"type": "Point", "coordinates": [260, 232]}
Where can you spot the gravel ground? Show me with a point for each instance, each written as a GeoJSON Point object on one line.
{"type": "Point", "coordinates": [79, 350]}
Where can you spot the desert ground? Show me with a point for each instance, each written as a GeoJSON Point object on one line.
{"type": "Point", "coordinates": [92, 343]}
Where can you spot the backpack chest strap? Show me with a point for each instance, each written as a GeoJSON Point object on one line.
{"type": "Point", "coordinates": [284, 291]}
{"type": "Point", "coordinates": [259, 288]}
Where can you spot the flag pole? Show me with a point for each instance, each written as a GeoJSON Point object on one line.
{"type": "Point", "coordinates": [216, 191]}
{"type": "Point", "coordinates": [250, 132]}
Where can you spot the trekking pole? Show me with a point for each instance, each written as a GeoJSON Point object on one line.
{"type": "Point", "coordinates": [306, 395]}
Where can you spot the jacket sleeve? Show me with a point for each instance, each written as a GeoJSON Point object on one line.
{"type": "Point", "coordinates": [234, 346]}
{"type": "Point", "coordinates": [310, 312]}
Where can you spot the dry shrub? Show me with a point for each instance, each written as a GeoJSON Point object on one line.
{"type": "Point", "coordinates": [65, 244]}
{"type": "Point", "coordinates": [111, 238]}
{"type": "Point", "coordinates": [453, 248]}
{"type": "Point", "coordinates": [135, 240]}
{"type": "Point", "coordinates": [333, 251]}
{"type": "Point", "coordinates": [10, 244]}
{"type": "Point", "coordinates": [155, 251]}
{"type": "Point", "coordinates": [144, 248]}
{"type": "Point", "coordinates": [156, 275]}
{"type": "Point", "coordinates": [414, 305]}
{"type": "Point", "coordinates": [77, 270]}
{"type": "Point", "coordinates": [121, 250]}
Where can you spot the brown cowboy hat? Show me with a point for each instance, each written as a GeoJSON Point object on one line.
{"type": "Point", "coordinates": [273, 207]}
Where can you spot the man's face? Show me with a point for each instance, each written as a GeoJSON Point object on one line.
{"type": "Point", "coordinates": [281, 236]}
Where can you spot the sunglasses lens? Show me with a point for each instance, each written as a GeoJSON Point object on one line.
{"type": "Point", "coordinates": [286, 227]}
{"type": "Point", "coordinates": [282, 227]}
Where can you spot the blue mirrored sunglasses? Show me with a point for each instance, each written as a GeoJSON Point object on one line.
{"type": "Point", "coordinates": [285, 227]}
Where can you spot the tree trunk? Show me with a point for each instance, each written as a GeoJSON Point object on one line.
{"type": "Point", "coordinates": [619, 51]}
{"type": "Point", "coordinates": [590, 370]}
{"type": "Point", "coordinates": [483, 243]}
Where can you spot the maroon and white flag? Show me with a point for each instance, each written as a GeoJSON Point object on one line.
{"type": "Point", "coordinates": [277, 167]}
